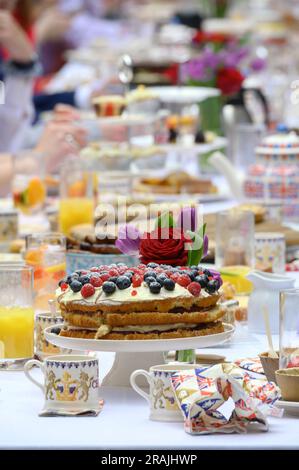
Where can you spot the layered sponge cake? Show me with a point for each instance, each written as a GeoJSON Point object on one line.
{"type": "Point", "coordinates": [145, 302]}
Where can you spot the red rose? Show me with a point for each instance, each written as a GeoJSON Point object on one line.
{"type": "Point", "coordinates": [229, 80]}
{"type": "Point", "coordinates": [164, 246]}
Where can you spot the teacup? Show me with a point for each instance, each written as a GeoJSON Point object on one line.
{"type": "Point", "coordinates": [70, 382]}
{"type": "Point", "coordinates": [42, 347]}
{"type": "Point", "coordinates": [163, 405]}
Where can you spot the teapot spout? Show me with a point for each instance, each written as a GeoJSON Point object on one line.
{"type": "Point", "coordinates": [235, 180]}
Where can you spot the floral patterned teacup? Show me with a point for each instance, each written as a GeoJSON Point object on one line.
{"type": "Point", "coordinates": [163, 406]}
{"type": "Point", "coordinates": [70, 382]}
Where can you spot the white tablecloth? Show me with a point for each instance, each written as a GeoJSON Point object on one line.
{"type": "Point", "coordinates": [124, 423]}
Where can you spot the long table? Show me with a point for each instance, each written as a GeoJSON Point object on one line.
{"type": "Point", "coordinates": [123, 422]}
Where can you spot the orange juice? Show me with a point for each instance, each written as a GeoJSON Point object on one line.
{"type": "Point", "coordinates": [74, 211]}
{"type": "Point", "coordinates": [49, 267]}
{"type": "Point", "coordinates": [29, 193]}
{"type": "Point", "coordinates": [16, 332]}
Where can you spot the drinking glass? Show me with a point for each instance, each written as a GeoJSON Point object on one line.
{"type": "Point", "coordinates": [289, 329]}
{"type": "Point", "coordinates": [46, 254]}
{"type": "Point", "coordinates": [235, 238]}
{"type": "Point", "coordinates": [28, 185]}
{"type": "Point", "coordinates": [16, 316]}
{"type": "Point", "coordinates": [76, 196]}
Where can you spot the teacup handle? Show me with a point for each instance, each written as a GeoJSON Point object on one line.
{"type": "Point", "coordinates": [27, 369]}
{"type": "Point", "coordinates": [137, 389]}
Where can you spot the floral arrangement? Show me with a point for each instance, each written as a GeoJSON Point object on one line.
{"type": "Point", "coordinates": [222, 63]}
{"type": "Point", "coordinates": [175, 243]}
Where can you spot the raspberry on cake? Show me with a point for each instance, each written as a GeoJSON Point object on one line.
{"type": "Point", "coordinates": [145, 302]}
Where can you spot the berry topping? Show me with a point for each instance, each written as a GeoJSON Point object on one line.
{"type": "Point", "coordinates": [155, 287]}
{"type": "Point", "coordinates": [63, 281]}
{"type": "Point", "coordinates": [134, 292]}
{"type": "Point", "coordinates": [63, 286]}
{"type": "Point", "coordinates": [202, 280]}
{"type": "Point", "coordinates": [87, 290]}
{"type": "Point", "coordinates": [169, 284]}
{"type": "Point", "coordinates": [152, 265]}
{"type": "Point", "coordinates": [84, 279]}
{"type": "Point", "coordinates": [113, 272]}
{"type": "Point", "coordinates": [123, 282]}
{"type": "Point", "coordinates": [113, 279]}
{"type": "Point", "coordinates": [150, 279]}
{"type": "Point", "coordinates": [212, 286]}
{"type": "Point", "coordinates": [96, 281]}
{"type": "Point", "coordinates": [109, 287]}
{"type": "Point", "coordinates": [207, 272]}
{"type": "Point", "coordinates": [184, 280]}
{"type": "Point", "coordinates": [175, 276]}
{"type": "Point", "coordinates": [76, 286]}
{"type": "Point", "coordinates": [105, 276]}
{"type": "Point", "coordinates": [161, 278]}
{"type": "Point", "coordinates": [94, 269]}
{"type": "Point", "coordinates": [194, 288]}
{"type": "Point", "coordinates": [150, 274]}
{"type": "Point", "coordinates": [137, 280]}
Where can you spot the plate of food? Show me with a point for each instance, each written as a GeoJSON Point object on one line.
{"type": "Point", "coordinates": [173, 186]}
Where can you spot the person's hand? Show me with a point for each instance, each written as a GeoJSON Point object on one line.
{"type": "Point", "coordinates": [14, 39]}
{"type": "Point", "coordinates": [65, 113]}
{"type": "Point", "coordinates": [59, 141]}
{"type": "Point", "coordinates": [52, 25]}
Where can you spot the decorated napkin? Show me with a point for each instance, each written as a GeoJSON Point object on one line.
{"type": "Point", "coordinates": [251, 364]}
{"type": "Point", "coordinates": [223, 398]}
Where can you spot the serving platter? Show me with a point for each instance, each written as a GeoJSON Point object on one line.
{"type": "Point", "coordinates": [150, 352]}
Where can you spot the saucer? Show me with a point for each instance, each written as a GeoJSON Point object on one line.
{"type": "Point", "coordinates": [290, 407]}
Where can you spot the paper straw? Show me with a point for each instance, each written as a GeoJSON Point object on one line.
{"type": "Point", "coordinates": [271, 352]}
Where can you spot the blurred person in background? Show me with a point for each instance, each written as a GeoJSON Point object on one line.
{"type": "Point", "coordinates": [18, 66]}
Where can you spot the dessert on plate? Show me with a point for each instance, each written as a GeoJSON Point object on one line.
{"type": "Point", "coordinates": [175, 183]}
{"type": "Point", "coordinates": [109, 105]}
{"type": "Point", "coordinates": [150, 301]}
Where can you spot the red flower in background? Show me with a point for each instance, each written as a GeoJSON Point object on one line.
{"type": "Point", "coordinates": [202, 37]}
{"type": "Point", "coordinates": [229, 80]}
{"type": "Point", "coordinates": [164, 246]}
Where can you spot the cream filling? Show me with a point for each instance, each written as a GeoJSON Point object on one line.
{"type": "Point", "coordinates": [123, 296]}
{"type": "Point", "coordinates": [103, 330]}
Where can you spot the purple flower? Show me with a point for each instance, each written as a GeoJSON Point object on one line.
{"type": "Point", "coordinates": [257, 64]}
{"type": "Point", "coordinates": [205, 246]}
{"type": "Point", "coordinates": [128, 240]}
{"type": "Point", "coordinates": [216, 275]}
{"type": "Point", "coordinates": [210, 59]}
{"type": "Point", "coordinates": [187, 219]}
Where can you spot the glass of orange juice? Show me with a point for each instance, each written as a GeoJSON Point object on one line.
{"type": "Point", "coordinates": [46, 254]}
{"type": "Point", "coordinates": [16, 316]}
{"type": "Point", "coordinates": [28, 186]}
{"type": "Point", "coordinates": [76, 196]}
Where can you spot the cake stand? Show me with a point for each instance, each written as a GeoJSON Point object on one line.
{"type": "Point", "coordinates": [137, 354]}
